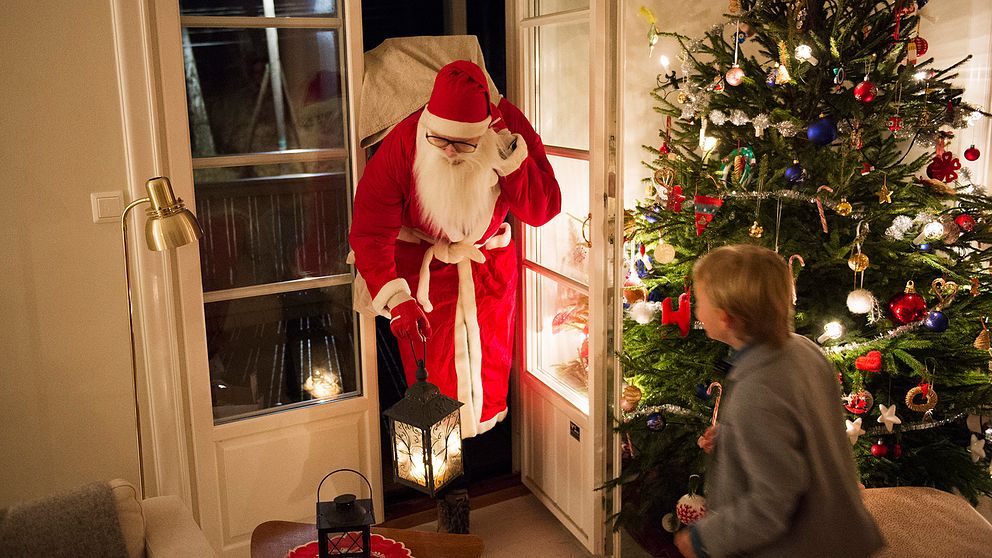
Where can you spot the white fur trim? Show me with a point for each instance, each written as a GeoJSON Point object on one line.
{"type": "Point", "coordinates": [488, 425]}
{"type": "Point", "coordinates": [466, 299]}
{"type": "Point", "coordinates": [462, 373]}
{"type": "Point", "coordinates": [514, 160]}
{"type": "Point", "coordinates": [452, 128]}
{"type": "Point", "coordinates": [386, 293]}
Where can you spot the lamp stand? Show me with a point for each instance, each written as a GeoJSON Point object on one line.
{"type": "Point", "coordinates": [130, 330]}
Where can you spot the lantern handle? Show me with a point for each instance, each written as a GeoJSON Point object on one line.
{"type": "Point", "coordinates": [421, 363]}
{"type": "Point", "coordinates": [338, 471]}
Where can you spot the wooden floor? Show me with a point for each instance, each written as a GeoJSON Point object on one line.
{"type": "Point", "coordinates": [518, 527]}
{"type": "Point", "coordinates": [404, 515]}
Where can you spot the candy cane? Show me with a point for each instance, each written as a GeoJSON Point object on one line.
{"type": "Point", "coordinates": [716, 407]}
{"type": "Point", "coordinates": [819, 206]}
{"type": "Point", "coordinates": [802, 263]}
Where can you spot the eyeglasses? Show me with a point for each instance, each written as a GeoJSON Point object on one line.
{"type": "Point", "coordinates": [460, 146]}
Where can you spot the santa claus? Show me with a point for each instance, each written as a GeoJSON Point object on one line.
{"type": "Point", "coordinates": [430, 243]}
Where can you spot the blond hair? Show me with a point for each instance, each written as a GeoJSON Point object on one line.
{"type": "Point", "coordinates": [754, 286]}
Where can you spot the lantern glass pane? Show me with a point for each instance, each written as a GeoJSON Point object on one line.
{"type": "Point", "coordinates": [446, 449]}
{"type": "Point", "coordinates": [409, 447]}
{"type": "Point", "coordinates": [349, 543]}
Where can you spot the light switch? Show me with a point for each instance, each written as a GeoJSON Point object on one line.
{"type": "Point", "coordinates": [107, 206]}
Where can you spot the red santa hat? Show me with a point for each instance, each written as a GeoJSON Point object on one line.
{"type": "Point", "coordinates": [459, 103]}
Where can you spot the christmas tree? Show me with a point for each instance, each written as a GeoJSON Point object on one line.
{"type": "Point", "coordinates": [831, 143]}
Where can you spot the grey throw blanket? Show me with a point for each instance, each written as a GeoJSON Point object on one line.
{"type": "Point", "coordinates": [81, 523]}
{"type": "Point", "coordinates": [399, 77]}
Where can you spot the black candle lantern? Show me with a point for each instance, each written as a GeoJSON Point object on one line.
{"type": "Point", "coordinates": [344, 524]}
{"type": "Point", "coordinates": [426, 433]}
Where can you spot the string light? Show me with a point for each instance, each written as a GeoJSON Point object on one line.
{"type": "Point", "coordinates": [832, 330]}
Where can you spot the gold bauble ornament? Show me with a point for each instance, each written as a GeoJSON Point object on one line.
{"type": "Point", "coordinates": [756, 230]}
{"type": "Point", "coordinates": [844, 207]}
{"type": "Point", "coordinates": [682, 98]}
{"type": "Point", "coordinates": [632, 394]}
{"type": "Point", "coordinates": [858, 262]}
{"type": "Point", "coordinates": [664, 253]}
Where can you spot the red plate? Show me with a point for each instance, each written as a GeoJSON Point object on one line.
{"type": "Point", "coordinates": [381, 548]}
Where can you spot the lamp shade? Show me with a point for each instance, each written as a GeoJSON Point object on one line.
{"type": "Point", "coordinates": [169, 225]}
{"type": "Point", "coordinates": [425, 428]}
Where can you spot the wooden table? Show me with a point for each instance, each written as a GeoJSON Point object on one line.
{"type": "Point", "coordinates": [273, 539]}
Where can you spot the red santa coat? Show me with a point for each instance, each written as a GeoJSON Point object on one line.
{"type": "Point", "coordinates": [472, 303]}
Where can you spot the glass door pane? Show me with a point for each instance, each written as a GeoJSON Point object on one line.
{"type": "Point", "coordinates": [561, 245]}
{"type": "Point", "coordinates": [558, 337]}
{"type": "Point", "coordinates": [261, 90]}
{"type": "Point", "coordinates": [269, 352]}
{"type": "Point", "coordinates": [261, 228]}
{"type": "Point", "coordinates": [563, 84]}
{"type": "Point", "coordinates": [267, 110]}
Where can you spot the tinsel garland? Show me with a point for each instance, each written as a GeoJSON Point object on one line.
{"type": "Point", "coordinates": [666, 408]}
{"type": "Point", "coordinates": [921, 425]}
{"type": "Point", "coordinates": [791, 195]}
{"type": "Point", "coordinates": [873, 431]}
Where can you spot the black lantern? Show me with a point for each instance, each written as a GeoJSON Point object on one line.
{"type": "Point", "coordinates": [426, 433]}
{"type": "Point", "coordinates": [344, 525]}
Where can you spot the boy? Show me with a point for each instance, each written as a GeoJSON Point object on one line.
{"type": "Point", "coordinates": [781, 480]}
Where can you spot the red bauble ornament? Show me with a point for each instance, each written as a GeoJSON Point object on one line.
{"type": "Point", "coordinates": [896, 451]}
{"type": "Point", "coordinates": [908, 306]}
{"type": "Point", "coordinates": [879, 449]}
{"type": "Point", "coordinates": [921, 46]}
{"type": "Point", "coordinates": [965, 221]}
{"type": "Point", "coordinates": [865, 91]}
{"type": "Point", "coordinates": [972, 153]}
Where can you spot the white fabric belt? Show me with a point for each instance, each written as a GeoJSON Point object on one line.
{"type": "Point", "coordinates": [459, 253]}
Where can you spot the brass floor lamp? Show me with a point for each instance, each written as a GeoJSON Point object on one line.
{"type": "Point", "coordinates": [169, 226]}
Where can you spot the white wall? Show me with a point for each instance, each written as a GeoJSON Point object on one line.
{"type": "Point", "coordinates": [66, 411]}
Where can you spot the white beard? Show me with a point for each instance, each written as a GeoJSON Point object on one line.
{"type": "Point", "coordinates": [456, 199]}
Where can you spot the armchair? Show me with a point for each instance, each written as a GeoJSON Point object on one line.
{"type": "Point", "coordinates": [103, 519]}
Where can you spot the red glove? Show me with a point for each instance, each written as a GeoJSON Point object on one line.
{"type": "Point", "coordinates": [409, 321]}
